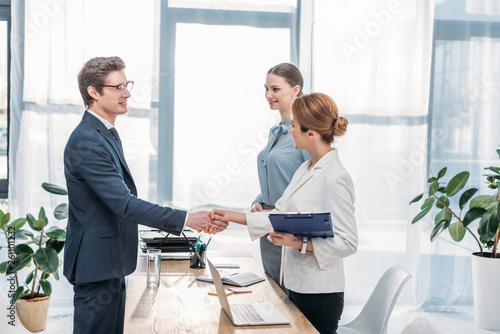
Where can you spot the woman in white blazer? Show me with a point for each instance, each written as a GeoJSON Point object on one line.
{"type": "Point", "coordinates": [313, 268]}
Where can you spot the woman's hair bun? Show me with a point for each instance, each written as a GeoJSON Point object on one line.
{"type": "Point", "coordinates": [340, 126]}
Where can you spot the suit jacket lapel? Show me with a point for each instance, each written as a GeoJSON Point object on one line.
{"type": "Point", "coordinates": [297, 182]}
{"type": "Point", "coordinates": [101, 128]}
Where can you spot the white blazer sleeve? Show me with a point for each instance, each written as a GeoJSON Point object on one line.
{"type": "Point", "coordinates": [258, 224]}
{"type": "Point", "coordinates": [339, 200]}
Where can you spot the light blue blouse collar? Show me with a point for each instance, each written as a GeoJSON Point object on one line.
{"type": "Point", "coordinates": [284, 126]}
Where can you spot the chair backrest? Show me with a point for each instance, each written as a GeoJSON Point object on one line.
{"type": "Point", "coordinates": [422, 326]}
{"type": "Point", "coordinates": [375, 315]}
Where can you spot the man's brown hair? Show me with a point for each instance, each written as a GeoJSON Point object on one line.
{"type": "Point", "coordinates": [94, 73]}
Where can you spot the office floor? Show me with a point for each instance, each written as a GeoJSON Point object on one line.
{"type": "Point", "coordinates": [459, 322]}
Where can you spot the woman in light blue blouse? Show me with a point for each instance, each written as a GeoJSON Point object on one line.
{"type": "Point", "coordinates": [279, 160]}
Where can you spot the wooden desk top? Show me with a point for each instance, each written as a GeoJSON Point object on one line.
{"type": "Point", "coordinates": [181, 304]}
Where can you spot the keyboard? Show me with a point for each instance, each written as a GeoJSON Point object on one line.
{"type": "Point", "coordinates": [246, 312]}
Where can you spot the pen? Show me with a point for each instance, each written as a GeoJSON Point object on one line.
{"type": "Point", "coordinates": [209, 241]}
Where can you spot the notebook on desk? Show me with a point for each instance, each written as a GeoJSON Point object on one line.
{"type": "Point", "coordinates": [255, 314]}
{"type": "Point", "coordinates": [233, 278]}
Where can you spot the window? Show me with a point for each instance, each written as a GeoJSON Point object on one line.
{"type": "Point", "coordinates": [463, 117]}
{"type": "Point", "coordinates": [463, 127]}
{"type": "Point", "coordinates": [4, 94]}
{"type": "Point", "coordinates": [230, 48]}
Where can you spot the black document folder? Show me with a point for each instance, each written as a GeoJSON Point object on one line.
{"type": "Point", "coordinates": [303, 224]}
{"type": "Point", "coordinates": [156, 239]}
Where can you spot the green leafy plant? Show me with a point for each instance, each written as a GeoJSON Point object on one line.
{"type": "Point", "coordinates": [457, 220]}
{"type": "Point", "coordinates": [38, 251]}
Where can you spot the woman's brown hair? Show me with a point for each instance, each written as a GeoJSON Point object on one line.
{"type": "Point", "coordinates": [318, 112]}
{"type": "Point", "coordinates": [290, 73]}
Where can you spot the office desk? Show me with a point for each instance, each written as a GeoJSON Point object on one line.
{"type": "Point", "coordinates": [181, 304]}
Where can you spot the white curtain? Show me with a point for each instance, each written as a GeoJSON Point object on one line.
{"type": "Point", "coordinates": [374, 59]}
{"type": "Point", "coordinates": [418, 82]}
{"type": "Point", "coordinates": [51, 41]}
{"type": "Point", "coordinates": [59, 36]}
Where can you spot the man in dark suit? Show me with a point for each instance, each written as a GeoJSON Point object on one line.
{"type": "Point", "coordinates": [104, 212]}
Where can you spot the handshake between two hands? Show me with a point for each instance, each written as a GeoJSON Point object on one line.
{"type": "Point", "coordinates": [217, 220]}
{"type": "Point", "coordinates": [208, 222]}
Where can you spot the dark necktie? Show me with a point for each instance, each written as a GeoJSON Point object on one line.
{"type": "Point", "coordinates": [117, 138]}
{"type": "Point", "coordinates": [126, 174]}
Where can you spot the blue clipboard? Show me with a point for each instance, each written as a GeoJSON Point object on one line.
{"type": "Point", "coordinates": [303, 224]}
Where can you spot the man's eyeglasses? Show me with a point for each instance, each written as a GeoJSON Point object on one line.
{"type": "Point", "coordinates": [119, 88]}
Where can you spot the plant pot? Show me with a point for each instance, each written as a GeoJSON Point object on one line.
{"type": "Point", "coordinates": [33, 312]}
{"type": "Point", "coordinates": [485, 278]}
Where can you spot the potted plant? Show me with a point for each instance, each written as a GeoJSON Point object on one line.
{"type": "Point", "coordinates": [36, 250]}
{"type": "Point", "coordinates": [457, 219]}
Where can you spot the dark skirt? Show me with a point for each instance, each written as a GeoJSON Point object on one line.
{"type": "Point", "coordinates": [271, 260]}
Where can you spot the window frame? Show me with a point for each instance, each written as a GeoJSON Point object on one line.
{"type": "Point", "coordinates": [169, 17]}
{"type": "Point", "coordinates": [5, 15]}
{"type": "Point", "coordinates": [453, 30]}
